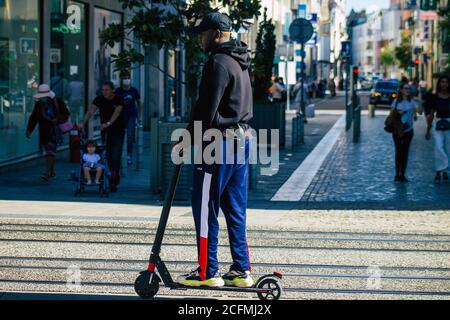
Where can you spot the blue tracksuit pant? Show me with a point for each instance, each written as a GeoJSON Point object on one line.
{"type": "Point", "coordinates": [222, 186]}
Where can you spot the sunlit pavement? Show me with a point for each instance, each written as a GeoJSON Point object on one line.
{"type": "Point", "coordinates": [355, 234]}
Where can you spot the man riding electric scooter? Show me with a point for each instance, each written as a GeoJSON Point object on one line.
{"type": "Point", "coordinates": [225, 103]}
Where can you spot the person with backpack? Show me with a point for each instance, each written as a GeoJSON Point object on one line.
{"type": "Point", "coordinates": [48, 113]}
{"type": "Point", "coordinates": [404, 109]}
{"type": "Point", "coordinates": [438, 121]}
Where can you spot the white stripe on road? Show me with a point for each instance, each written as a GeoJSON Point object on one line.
{"type": "Point", "coordinates": [204, 215]}
{"type": "Point", "coordinates": [297, 184]}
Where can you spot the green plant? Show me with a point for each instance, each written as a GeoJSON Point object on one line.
{"type": "Point", "coordinates": [403, 53]}
{"type": "Point", "coordinates": [263, 59]}
{"type": "Point", "coordinates": [164, 23]}
{"type": "Point", "coordinates": [387, 59]}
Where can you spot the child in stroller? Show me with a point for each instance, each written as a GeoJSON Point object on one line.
{"type": "Point", "coordinates": [93, 164]}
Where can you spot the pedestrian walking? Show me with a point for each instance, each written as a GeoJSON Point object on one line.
{"type": "Point", "coordinates": [49, 111]}
{"type": "Point", "coordinates": [225, 102]}
{"type": "Point", "coordinates": [423, 88]}
{"type": "Point", "coordinates": [278, 90]}
{"type": "Point", "coordinates": [332, 87]}
{"type": "Point", "coordinates": [298, 92]}
{"type": "Point", "coordinates": [406, 107]}
{"type": "Point", "coordinates": [414, 88]}
{"type": "Point", "coordinates": [76, 97]}
{"type": "Point", "coordinates": [438, 122]}
{"type": "Point", "coordinates": [132, 110]}
{"type": "Point", "coordinates": [321, 88]}
{"type": "Point", "coordinates": [110, 107]}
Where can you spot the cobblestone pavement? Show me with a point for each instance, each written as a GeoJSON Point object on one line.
{"type": "Point", "coordinates": [267, 186]}
{"type": "Point", "coordinates": [363, 172]}
{"type": "Point", "coordinates": [354, 235]}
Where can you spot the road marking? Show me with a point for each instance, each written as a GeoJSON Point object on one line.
{"type": "Point", "coordinates": [297, 184]}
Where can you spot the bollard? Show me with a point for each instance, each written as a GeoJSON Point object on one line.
{"type": "Point", "coordinates": [298, 131]}
{"type": "Point", "coordinates": [294, 132]}
{"type": "Point", "coordinates": [301, 129]}
{"type": "Point", "coordinates": [371, 110]}
{"type": "Point", "coordinates": [357, 123]}
{"type": "Point", "coordinates": [349, 116]}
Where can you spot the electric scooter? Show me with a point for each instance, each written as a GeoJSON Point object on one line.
{"type": "Point", "coordinates": [147, 283]}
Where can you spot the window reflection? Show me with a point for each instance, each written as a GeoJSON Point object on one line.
{"type": "Point", "coordinates": [68, 55]}
{"type": "Point", "coordinates": [19, 75]}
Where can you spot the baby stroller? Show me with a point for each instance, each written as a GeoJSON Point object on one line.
{"type": "Point", "coordinates": [103, 187]}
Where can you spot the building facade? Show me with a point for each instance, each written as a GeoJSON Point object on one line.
{"type": "Point", "coordinates": [379, 31]}
{"type": "Point", "coordinates": [58, 42]}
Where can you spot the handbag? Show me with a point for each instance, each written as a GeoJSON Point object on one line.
{"type": "Point", "coordinates": [65, 126]}
{"type": "Point", "coordinates": [442, 125]}
{"type": "Point", "coordinates": [393, 123]}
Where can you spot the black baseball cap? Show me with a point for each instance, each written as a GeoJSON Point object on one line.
{"type": "Point", "coordinates": [214, 21]}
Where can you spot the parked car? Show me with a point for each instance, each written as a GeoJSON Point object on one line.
{"type": "Point", "coordinates": [366, 85]}
{"type": "Point", "coordinates": [384, 93]}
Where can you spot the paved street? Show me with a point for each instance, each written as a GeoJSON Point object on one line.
{"type": "Point", "coordinates": [353, 235]}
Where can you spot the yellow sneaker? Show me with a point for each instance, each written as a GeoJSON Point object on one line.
{"type": "Point", "coordinates": [192, 279]}
{"type": "Point", "coordinates": [238, 279]}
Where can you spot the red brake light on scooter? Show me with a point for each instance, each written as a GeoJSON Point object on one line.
{"type": "Point", "coordinates": [278, 275]}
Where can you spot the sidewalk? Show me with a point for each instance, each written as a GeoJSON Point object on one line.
{"type": "Point", "coordinates": [25, 184]}
{"type": "Point", "coordinates": [326, 246]}
{"type": "Point", "coordinates": [362, 174]}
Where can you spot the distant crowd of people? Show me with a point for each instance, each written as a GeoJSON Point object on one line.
{"type": "Point", "coordinates": [312, 89]}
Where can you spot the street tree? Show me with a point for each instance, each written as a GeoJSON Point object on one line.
{"type": "Point", "coordinates": [263, 58]}
{"type": "Point", "coordinates": [166, 24]}
{"type": "Point", "coordinates": [403, 53]}
{"type": "Point", "coordinates": [387, 59]}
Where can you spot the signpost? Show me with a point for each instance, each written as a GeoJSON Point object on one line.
{"type": "Point", "coordinates": [300, 31]}
{"type": "Point", "coordinates": [346, 55]}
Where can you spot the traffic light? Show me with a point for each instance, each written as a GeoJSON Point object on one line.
{"type": "Point", "coordinates": [426, 29]}
{"type": "Point", "coordinates": [355, 75]}
{"type": "Point", "coordinates": [417, 62]}
{"type": "Point", "coordinates": [428, 5]}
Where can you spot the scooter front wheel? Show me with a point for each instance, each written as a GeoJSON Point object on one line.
{"type": "Point", "coordinates": [147, 284]}
{"type": "Point", "coordinates": [275, 289]}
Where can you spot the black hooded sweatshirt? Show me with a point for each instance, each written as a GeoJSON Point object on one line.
{"type": "Point", "coordinates": [225, 94]}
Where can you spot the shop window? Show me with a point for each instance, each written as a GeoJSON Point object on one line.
{"type": "Point", "coordinates": [171, 90]}
{"type": "Point", "coordinates": [104, 69]}
{"type": "Point", "coordinates": [68, 55]}
{"type": "Point", "coordinates": [19, 75]}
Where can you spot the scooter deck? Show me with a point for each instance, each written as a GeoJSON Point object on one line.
{"type": "Point", "coordinates": [224, 288]}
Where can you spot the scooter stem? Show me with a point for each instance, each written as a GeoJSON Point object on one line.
{"type": "Point", "coordinates": [165, 215]}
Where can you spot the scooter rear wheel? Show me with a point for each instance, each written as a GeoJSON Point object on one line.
{"type": "Point", "coordinates": [147, 285]}
{"type": "Point", "coordinates": [272, 284]}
